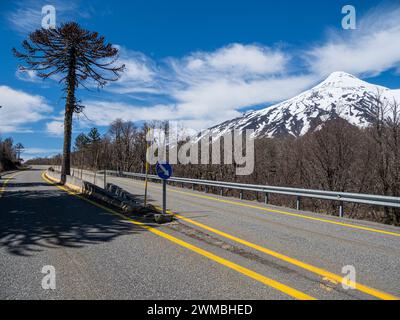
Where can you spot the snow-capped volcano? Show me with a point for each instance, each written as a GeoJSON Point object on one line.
{"type": "Point", "coordinates": [340, 95]}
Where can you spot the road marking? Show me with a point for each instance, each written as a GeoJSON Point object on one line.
{"type": "Point", "coordinates": [324, 273]}
{"type": "Point", "coordinates": [3, 187]}
{"type": "Point", "coordinates": [343, 224]}
{"type": "Point", "coordinates": [247, 272]}
{"type": "Point", "coordinates": [298, 263]}
{"type": "Point", "coordinates": [164, 170]}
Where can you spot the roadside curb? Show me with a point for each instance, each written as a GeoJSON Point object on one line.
{"type": "Point", "coordinates": [105, 196]}
{"type": "Point", "coordinates": [67, 185]}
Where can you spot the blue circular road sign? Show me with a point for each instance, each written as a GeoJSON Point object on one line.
{"type": "Point", "coordinates": [164, 170]}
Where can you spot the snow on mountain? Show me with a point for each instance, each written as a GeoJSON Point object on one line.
{"type": "Point", "coordinates": [340, 95]}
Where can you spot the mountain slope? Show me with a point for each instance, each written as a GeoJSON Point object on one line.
{"type": "Point", "coordinates": [340, 95]}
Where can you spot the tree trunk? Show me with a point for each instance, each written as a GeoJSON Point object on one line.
{"type": "Point", "coordinates": [69, 110]}
{"type": "Point", "coordinates": [66, 164]}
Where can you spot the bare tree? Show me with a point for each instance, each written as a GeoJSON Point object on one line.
{"type": "Point", "coordinates": [18, 149]}
{"type": "Point", "coordinates": [338, 156]}
{"type": "Point", "coordinates": [7, 154]}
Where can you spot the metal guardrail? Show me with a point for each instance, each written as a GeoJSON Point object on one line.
{"type": "Point", "coordinates": [341, 197]}
{"type": "Point", "coordinates": [368, 199]}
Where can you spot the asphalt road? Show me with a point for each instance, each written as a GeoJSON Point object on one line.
{"type": "Point", "coordinates": [219, 248]}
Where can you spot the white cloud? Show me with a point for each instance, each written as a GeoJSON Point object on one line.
{"type": "Point", "coordinates": [372, 48]}
{"type": "Point", "coordinates": [223, 95]}
{"type": "Point", "coordinates": [19, 109]}
{"type": "Point", "coordinates": [199, 107]}
{"type": "Point", "coordinates": [102, 113]}
{"type": "Point", "coordinates": [27, 15]}
{"type": "Point", "coordinates": [40, 150]}
{"type": "Point", "coordinates": [203, 88]}
{"type": "Point", "coordinates": [138, 76]}
{"type": "Point", "coordinates": [55, 128]}
{"type": "Point", "coordinates": [213, 87]}
{"type": "Point", "coordinates": [25, 19]}
{"type": "Point", "coordinates": [238, 58]}
{"type": "Point", "coordinates": [27, 75]}
{"type": "Point", "coordinates": [31, 153]}
{"type": "Point", "coordinates": [232, 62]}
{"type": "Point", "coordinates": [136, 70]}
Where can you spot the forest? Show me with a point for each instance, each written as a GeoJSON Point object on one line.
{"type": "Point", "coordinates": [336, 157]}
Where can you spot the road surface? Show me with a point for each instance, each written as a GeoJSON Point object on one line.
{"type": "Point", "coordinates": [219, 248]}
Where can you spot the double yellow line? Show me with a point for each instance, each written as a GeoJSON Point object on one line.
{"type": "Point", "coordinates": [319, 271]}
{"type": "Point", "coordinates": [267, 281]}
{"type": "Point", "coordinates": [268, 210]}
{"type": "Point", "coordinates": [316, 270]}
{"type": "Point", "coordinates": [229, 264]}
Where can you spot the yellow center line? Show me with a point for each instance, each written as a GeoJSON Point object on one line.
{"type": "Point", "coordinates": [343, 224]}
{"type": "Point", "coordinates": [247, 272]}
{"type": "Point", "coordinates": [293, 261]}
{"type": "Point", "coordinates": [3, 187]}
{"type": "Point", "coordinates": [298, 263]}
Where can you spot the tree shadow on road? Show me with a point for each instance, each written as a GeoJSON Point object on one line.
{"type": "Point", "coordinates": [31, 221]}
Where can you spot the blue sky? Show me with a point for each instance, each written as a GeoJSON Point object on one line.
{"type": "Point", "coordinates": [197, 62]}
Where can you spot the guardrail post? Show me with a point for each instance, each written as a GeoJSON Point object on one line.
{"type": "Point", "coordinates": [298, 203]}
{"type": "Point", "coordinates": [193, 186]}
{"type": "Point", "coordinates": [341, 210]}
{"type": "Point", "coordinates": [222, 192]}
{"type": "Point", "coordinates": [241, 195]}
{"type": "Point", "coordinates": [205, 189]}
{"type": "Point", "coordinates": [266, 200]}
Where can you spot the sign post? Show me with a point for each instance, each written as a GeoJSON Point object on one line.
{"type": "Point", "coordinates": [164, 197]}
{"type": "Point", "coordinates": [164, 171]}
{"type": "Point", "coordinates": [147, 170]}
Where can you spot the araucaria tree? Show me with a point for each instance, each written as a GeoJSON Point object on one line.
{"type": "Point", "coordinates": [75, 56]}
